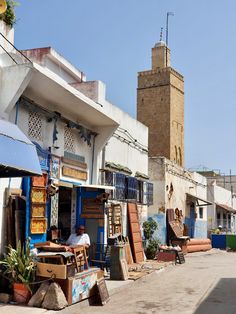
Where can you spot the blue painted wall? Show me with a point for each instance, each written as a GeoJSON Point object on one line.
{"type": "Point", "coordinates": [200, 228]}
{"type": "Point", "coordinates": [160, 234]}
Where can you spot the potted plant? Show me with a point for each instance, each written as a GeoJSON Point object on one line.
{"type": "Point", "coordinates": [19, 267]}
{"type": "Point", "coordinates": [9, 16]}
{"type": "Point", "coordinates": [151, 244]}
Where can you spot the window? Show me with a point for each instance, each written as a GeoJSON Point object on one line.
{"type": "Point", "coordinates": [35, 126]}
{"type": "Point", "coordinates": [200, 212]}
{"type": "Point", "coordinates": [150, 193]}
{"type": "Point", "coordinates": [131, 188]}
{"type": "Point", "coordinates": [120, 186]}
{"type": "Point", "coordinates": [69, 140]}
{"type": "Point", "coordinates": [140, 192]}
{"type": "Point", "coordinates": [147, 193]}
{"type": "Point", "coordinates": [110, 180]}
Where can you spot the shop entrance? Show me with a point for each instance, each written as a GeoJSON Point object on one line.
{"type": "Point", "coordinates": [64, 212]}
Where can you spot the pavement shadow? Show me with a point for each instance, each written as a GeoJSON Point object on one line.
{"type": "Point", "coordinates": [221, 299]}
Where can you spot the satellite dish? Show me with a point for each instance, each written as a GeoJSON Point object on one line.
{"type": "Point", "coordinates": [3, 6]}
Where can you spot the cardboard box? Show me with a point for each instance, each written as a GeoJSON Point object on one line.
{"type": "Point", "coordinates": [55, 271]}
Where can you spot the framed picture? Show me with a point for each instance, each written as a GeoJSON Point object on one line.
{"type": "Point", "coordinates": [55, 167]}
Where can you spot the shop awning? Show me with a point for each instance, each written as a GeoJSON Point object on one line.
{"type": "Point", "coordinates": [226, 207]}
{"type": "Point", "coordinates": [18, 156]}
{"type": "Point", "coordinates": [197, 199]}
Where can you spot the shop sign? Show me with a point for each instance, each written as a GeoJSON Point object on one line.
{"type": "Point", "coordinates": [74, 173]}
{"type": "Point", "coordinates": [91, 208]}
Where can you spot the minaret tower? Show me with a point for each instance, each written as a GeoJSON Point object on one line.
{"type": "Point", "coordinates": [160, 106]}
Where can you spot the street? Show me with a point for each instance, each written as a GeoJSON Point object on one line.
{"type": "Point", "coordinates": [206, 283]}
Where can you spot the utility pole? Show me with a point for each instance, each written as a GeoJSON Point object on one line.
{"type": "Point", "coordinates": [167, 30]}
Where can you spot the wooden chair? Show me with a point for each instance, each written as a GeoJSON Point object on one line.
{"type": "Point", "coordinates": [80, 257]}
{"type": "Point", "coordinates": [100, 255]}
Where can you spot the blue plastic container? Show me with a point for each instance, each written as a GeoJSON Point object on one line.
{"type": "Point", "coordinates": [218, 241]}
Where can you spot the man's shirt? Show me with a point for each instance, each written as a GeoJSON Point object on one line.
{"type": "Point", "coordinates": [75, 239]}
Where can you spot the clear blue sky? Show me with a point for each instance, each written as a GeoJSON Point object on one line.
{"type": "Point", "coordinates": [111, 41]}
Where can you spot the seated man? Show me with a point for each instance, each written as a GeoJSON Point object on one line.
{"type": "Point", "coordinates": [79, 238]}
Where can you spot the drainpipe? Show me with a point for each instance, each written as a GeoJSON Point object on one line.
{"type": "Point", "coordinates": [93, 149]}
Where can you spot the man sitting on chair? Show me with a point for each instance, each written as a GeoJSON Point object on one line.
{"type": "Point", "coordinates": [79, 238]}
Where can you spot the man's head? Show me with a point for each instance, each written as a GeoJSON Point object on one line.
{"type": "Point", "coordinates": [80, 230]}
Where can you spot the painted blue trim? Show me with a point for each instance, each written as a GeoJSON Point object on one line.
{"type": "Point", "coordinates": [26, 192]}
{"type": "Point", "coordinates": [43, 157]}
{"type": "Point", "coordinates": [71, 182]}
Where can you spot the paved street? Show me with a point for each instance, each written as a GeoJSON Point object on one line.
{"type": "Point", "coordinates": [205, 284]}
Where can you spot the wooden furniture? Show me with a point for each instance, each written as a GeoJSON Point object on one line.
{"type": "Point", "coordinates": [114, 216]}
{"type": "Point", "coordinates": [59, 265]}
{"type": "Point", "coordinates": [100, 255]}
{"type": "Point", "coordinates": [80, 257]}
{"type": "Point", "coordinates": [175, 231]}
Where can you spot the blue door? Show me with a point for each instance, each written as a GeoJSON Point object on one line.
{"type": "Point", "coordinates": [94, 227]}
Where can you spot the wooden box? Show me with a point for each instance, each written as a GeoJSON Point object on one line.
{"type": "Point", "coordinates": [55, 271]}
{"type": "Point", "coordinates": [81, 286]}
{"type": "Point", "coordinates": [166, 256]}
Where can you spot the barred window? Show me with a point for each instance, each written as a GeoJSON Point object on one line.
{"type": "Point", "coordinates": [146, 193]}
{"type": "Point", "coordinates": [120, 186]}
{"type": "Point", "coordinates": [131, 188]}
{"type": "Point", "coordinates": [35, 126]}
{"type": "Point", "coordinates": [69, 140]}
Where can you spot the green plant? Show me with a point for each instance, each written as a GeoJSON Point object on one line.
{"type": "Point", "coordinates": [151, 244]}
{"type": "Point", "coordinates": [18, 264]}
{"type": "Point", "coordinates": [149, 228]}
{"type": "Point", "coordinates": [151, 248]}
{"type": "Point", "coordinates": [9, 16]}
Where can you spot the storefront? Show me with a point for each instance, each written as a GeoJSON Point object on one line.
{"type": "Point", "coordinates": [61, 199]}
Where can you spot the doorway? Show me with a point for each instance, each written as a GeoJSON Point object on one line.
{"type": "Point", "coordinates": [64, 211]}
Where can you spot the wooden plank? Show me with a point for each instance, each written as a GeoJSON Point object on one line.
{"type": "Point", "coordinates": [133, 217]}
{"type": "Point", "coordinates": [135, 227]}
{"type": "Point", "coordinates": [74, 163]}
{"type": "Point", "coordinates": [138, 246]}
{"type": "Point", "coordinates": [103, 292]}
{"type": "Point", "coordinates": [137, 237]}
{"type": "Point", "coordinates": [135, 233]}
{"type": "Point", "coordinates": [128, 253]}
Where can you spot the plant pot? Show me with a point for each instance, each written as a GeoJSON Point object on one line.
{"type": "Point", "coordinates": [21, 293]}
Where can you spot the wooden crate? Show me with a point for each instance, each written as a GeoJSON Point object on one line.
{"type": "Point", "coordinates": [166, 256]}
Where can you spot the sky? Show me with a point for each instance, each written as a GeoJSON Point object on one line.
{"type": "Point", "coordinates": [111, 41]}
